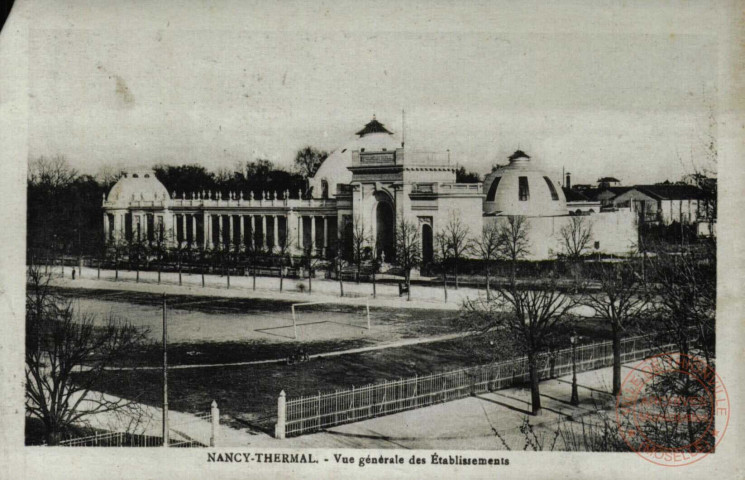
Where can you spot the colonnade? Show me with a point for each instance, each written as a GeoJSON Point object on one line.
{"type": "Point", "coordinates": [210, 229]}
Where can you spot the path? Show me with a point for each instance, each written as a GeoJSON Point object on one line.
{"type": "Point", "coordinates": [469, 423]}
{"type": "Point", "coordinates": [422, 296]}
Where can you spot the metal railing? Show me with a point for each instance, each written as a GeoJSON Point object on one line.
{"type": "Point", "coordinates": [312, 413]}
{"type": "Point", "coordinates": [201, 430]}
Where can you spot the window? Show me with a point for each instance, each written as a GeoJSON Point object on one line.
{"type": "Point", "coordinates": [147, 175]}
{"type": "Point", "coordinates": [493, 189]}
{"type": "Point", "coordinates": [554, 195]}
{"type": "Point", "coordinates": [524, 190]}
{"type": "Point", "coordinates": [324, 189]}
{"type": "Point", "coordinates": [134, 175]}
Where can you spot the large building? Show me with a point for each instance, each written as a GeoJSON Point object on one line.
{"type": "Point", "coordinates": [370, 185]}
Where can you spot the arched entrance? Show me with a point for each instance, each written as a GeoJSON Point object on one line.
{"type": "Point", "coordinates": [384, 225]}
{"type": "Point", "coordinates": [427, 250]}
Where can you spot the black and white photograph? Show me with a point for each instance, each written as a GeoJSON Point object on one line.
{"type": "Point", "coordinates": [386, 240]}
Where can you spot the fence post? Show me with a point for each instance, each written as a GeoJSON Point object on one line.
{"type": "Point", "coordinates": [215, 414]}
{"type": "Point", "coordinates": [279, 428]}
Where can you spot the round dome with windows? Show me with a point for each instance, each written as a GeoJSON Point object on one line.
{"type": "Point", "coordinates": [136, 185]}
{"type": "Point", "coordinates": [522, 188]}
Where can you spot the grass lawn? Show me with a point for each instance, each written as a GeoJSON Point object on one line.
{"type": "Point", "coordinates": [247, 395]}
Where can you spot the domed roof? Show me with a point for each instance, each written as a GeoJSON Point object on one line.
{"type": "Point", "coordinates": [522, 188]}
{"type": "Point", "coordinates": [373, 137]}
{"type": "Point", "coordinates": [136, 185]}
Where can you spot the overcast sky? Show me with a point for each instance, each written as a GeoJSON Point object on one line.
{"type": "Point", "coordinates": [621, 89]}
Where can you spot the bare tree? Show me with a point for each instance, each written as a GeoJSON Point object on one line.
{"type": "Point", "coordinates": [360, 237]}
{"type": "Point", "coordinates": [308, 159]}
{"type": "Point", "coordinates": [456, 234]}
{"type": "Point", "coordinates": [161, 242]}
{"type": "Point", "coordinates": [487, 248]}
{"type": "Point", "coordinates": [116, 247]}
{"type": "Point", "coordinates": [408, 250]}
{"type": "Point", "coordinates": [683, 286]}
{"type": "Point", "coordinates": [620, 301]}
{"type": "Point", "coordinates": [61, 342]}
{"type": "Point", "coordinates": [442, 256]}
{"type": "Point", "coordinates": [284, 247]}
{"type": "Point", "coordinates": [514, 242]}
{"type": "Point", "coordinates": [576, 237]}
{"type": "Point", "coordinates": [531, 314]}
{"type": "Point", "coordinates": [311, 261]}
{"type": "Point", "coordinates": [51, 172]}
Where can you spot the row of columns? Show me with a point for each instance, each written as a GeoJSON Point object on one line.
{"type": "Point", "coordinates": [301, 236]}
{"type": "Point", "coordinates": [236, 223]}
{"type": "Point", "coordinates": [186, 228]}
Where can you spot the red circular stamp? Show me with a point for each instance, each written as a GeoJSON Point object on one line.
{"type": "Point", "coordinates": [669, 408]}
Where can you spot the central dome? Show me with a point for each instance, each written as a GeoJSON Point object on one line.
{"type": "Point", "coordinates": [137, 185]}
{"type": "Point", "coordinates": [522, 188]}
{"type": "Point", "coordinates": [374, 137]}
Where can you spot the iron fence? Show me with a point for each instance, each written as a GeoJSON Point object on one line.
{"type": "Point", "coordinates": [200, 430]}
{"type": "Point", "coordinates": [312, 413]}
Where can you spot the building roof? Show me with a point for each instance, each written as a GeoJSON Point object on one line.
{"type": "Point", "coordinates": [518, 154]}
{"type": "Point", "coordinates": [136, 185]}
{"type": "Point", "coordinates": [573, 195]}
{"type": "Point", "coordinates": [523, 188]}
{"type": "Point", "coordinates": [608, 179]}
{"type": "Point", "coordinates": [373, 126]}
{"type": "Point", "coordinates": [671, 191]}
{"type": "Point", "coordinates": [592, 193]}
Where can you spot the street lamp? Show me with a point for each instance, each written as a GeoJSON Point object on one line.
{"type": "Point", "coordinates": [575, 396]}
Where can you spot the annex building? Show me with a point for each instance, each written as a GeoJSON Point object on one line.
{"type": "Point", "coordinates": [370, 184]}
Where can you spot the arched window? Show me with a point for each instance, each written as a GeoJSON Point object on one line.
{"type": "Point", "coordinates": [493, 189]}
{"type": "Point", "coordinates": [134, 175]}
{"type": "Point", "coordinates": [324, 189]}
{"type": "Point", "coordinates": [524, 190]}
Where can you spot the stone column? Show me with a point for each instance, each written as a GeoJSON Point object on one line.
{"type": "Point", "coordinates": [276, 230]}
{"type": "Point", "coordinates": [220, 231]}
{"type": "Point", "coordinates": [263, 232]}
{"type": "Point", "coordinates": [241, 219]}
{"type": "Point", "coordinates": [313, 232]}
{"type": "Point", "coordinates": [106, 227]}
{"type": "Point", "coordinates": [194, 229]}
{"type": "Point", "coordinates": [325, 234]}
{"type": "Point", "coordinates": [253, 231]}
{"type": "Point", "coordinates": [205, 230]}
{"type": "Point", "coordinates": [300, 232]}
{"type": "Point", "coordinates": [183, 227]}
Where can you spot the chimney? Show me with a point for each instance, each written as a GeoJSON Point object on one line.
{"type": "Point", "coordinates": [568, 183]}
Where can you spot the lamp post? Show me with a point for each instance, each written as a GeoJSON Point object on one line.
{"type": "Point", "coordinates": [575, 396]}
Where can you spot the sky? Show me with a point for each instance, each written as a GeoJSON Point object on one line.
{"type": "Point", "coordinates": [623, 89]}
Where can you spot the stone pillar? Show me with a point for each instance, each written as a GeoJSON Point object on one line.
{"type": "Point", "coordinates": [241, 219]}
{"type": "Point", "coordinates": [215, 417]}
{"type": "Point", "coordinates": [325, 235]}
{"type": "Point", "coordinates": [183, 227]}
{"type": "Point", "coordinates": [275, 218]}
{"type": "Point", "coordinates": [106, 227]}
{"type": "Point", "coordinates": [300, 232]}
{"type": "Point", "coordinates": [205, 230]}
{"type": "Point", "coordinates": [279, 428]}
{"type": "Point", "coordinates": [194, 229]}
{"type": "Point", "coordinates": [313, 232]}
{"type": "Point", "coordinates": [253, 231]}
{"type": "Point", "coordinates": [263, 232]}
{"type": "Point", "coordinates": [220, 231]}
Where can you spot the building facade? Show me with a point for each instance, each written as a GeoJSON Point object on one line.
{"type": "Point", "coordinates": [367, 187]}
